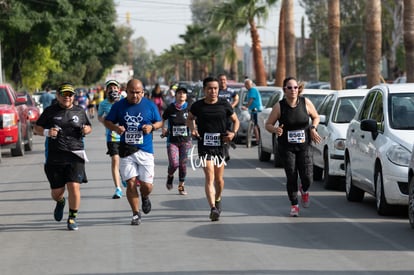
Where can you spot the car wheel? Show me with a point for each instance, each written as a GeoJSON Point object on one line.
{"type": "Point", "coordinates": [19, 149]}
{"type": "Point", "coordinates": [263, 156]}
{"type": "Point", "coordinates": [28, 146]}
{"type": "Point", "coordinates": [249, 134]}
{"type": "Point", "coordinates": [328, 180]}
{"type": "Point", "coordinates": [277, 162]}
{"type": "Point", "coordinates": [383, 208]}
{"type": "Point", "coordinates": [411, 202]}
{"type": "Point", "coordinates": [353, 193]}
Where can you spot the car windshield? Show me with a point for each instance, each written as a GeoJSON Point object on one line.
{"type": "Point", "coordinates": [346, 108]}
{"type": "Point", "coordinates": [316, 99]}
{"type": "Point", "coordinates": [4, 98]}
{"type": "Point", "coordinates": [401, 110]}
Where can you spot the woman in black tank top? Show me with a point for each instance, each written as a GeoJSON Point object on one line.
{"type": "Point", "coordinates": [294, 137]}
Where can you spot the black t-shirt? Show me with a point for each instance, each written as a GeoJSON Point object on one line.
{"type": "Point", "coordinates": [177, 128]}
{"type": "Point", "coordinates": [70, 137]}
{"type": "Point", "coordinates": [211, 119]}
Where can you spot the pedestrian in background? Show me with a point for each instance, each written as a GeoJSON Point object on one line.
{"type": "Point", "coordinates": [178, 139]}
{"type": "Point", "coordinates": [226, 92]}
{"type": "Point", "coordinates": [254, 105]}
{"type": "Point", "coordinates": [232, 97]}
{"type": "Point", "coordinates": [64, 125]}
{"type": "Point", "coordinates": [46, 98]}
{"type": "Point", "coordinates": [207, 121]}
{"type": "Point", "coordinates": [157, 98]}
{"type": "Point", "coordinates": [112, 138]}
{"type": "Point", "coordinates": [294, 140]}
{"type": "Point", "coordinates": [134, 118]}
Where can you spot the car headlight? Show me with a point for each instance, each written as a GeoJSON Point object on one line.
{"type": "Point", "coordinates": [9, 120]}
{"type": "Point", "coordinates": [339, 144]}
{"type": "Point", "coordinates": [399, 155]}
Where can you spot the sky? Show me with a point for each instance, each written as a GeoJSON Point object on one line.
{"type": "Point", "coordinates": [161, 22]}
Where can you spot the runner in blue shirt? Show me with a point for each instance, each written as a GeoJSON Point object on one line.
{"type": "Point", "coordinates": [134, 118]}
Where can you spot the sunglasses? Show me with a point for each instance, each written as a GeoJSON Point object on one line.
{"type": "Point", "coordinates": [64, 94]}
{"type": "Point", "coordinates": [292, 87]}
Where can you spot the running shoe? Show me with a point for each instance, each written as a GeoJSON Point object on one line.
{"type": "Point", "coordinates": [136, 219]}
{"type": "Point", "coordinates": [214, 214]}
{"type": "Point", "coordinates": [58, 213]}
{"type": "Point", "coordinates": [181, 190]}
{"type": "Point", "coordinates": [72, 224]}
{"type": "Point", "coordinates": [294, 211]}
{"type": "Point", "coordinates": [218, 205]}
{"type": "Point", "coordinates": [146, 205]}
{"type": "Point", "coordinates": [118, 193]}
{"type": "Point", "coordinates": [305, 198]}
{"type": "Point", "coordinates": [169, 183]}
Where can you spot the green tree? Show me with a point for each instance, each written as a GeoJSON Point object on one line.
{"type": "Point", "coordinates": [255, 10]}
{"type": "Point", "coordinates": [80, 34]}
{"type": "Point", "coordinates": [228, 21]}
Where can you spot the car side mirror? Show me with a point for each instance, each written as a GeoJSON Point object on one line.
{"type": "Point", "coordinates": [322, 119]}
{"type": "Point", "coordinates": [370, 125]}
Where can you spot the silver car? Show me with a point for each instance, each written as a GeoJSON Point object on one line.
{"type": "Point", "coordinates": [378, 147]}
{"type": "Point", "coordinates": [245, 132]}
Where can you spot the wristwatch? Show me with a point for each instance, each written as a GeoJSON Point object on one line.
{"type": "Point", "coordinates": [313, 127]}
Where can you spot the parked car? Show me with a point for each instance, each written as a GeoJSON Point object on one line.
{"type": "Point", "coordinates": [316, 95]}
{"type": "Point", "coordinates": [246, 130]}
{"type": "Point", "coordinates": [267, 144]}
{"type": "Point", "coordinates": [16, 132]}
{"type": "Point", "coordinates": [411, 190]}
{"type": "Point", "coordinates": [378, 147]}
{"type": "Point", "coordinates": [316, 85]}
{"type": "Point", "coordinates": [335, 113]}
{"type": "Point", "coordinates": [34, 111]}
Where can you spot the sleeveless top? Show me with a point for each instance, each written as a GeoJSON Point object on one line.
{"type": "Point", "coordinates": [295, 120]}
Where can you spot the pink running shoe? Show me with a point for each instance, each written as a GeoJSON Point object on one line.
{"type": "Point", "coordinates": [294, 211]}
{"type": "Point", "coordinates": [305, 198]}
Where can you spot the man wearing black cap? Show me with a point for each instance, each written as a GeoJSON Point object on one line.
{"type": "Point", "coordinates": [112, 89]}
{"type": "Point", "coordinates": [64, 125]}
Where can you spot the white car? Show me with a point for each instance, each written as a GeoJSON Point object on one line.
{"type": "Point", "coordinates": [335, 113]}
{"type": "Point", "coordinates": [378, 147]}
{"type": "Point", "coordinates": [411, 191]}
{"type": "Point", "coordinates": [245, 132]}
{"type": "Point", "coordinates": [267, 144]}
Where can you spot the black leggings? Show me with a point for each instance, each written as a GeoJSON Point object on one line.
{"type": "Point", "coordinates": [297, 163]}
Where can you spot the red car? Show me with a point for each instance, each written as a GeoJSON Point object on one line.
{"type": "Point", "coordinates": [33, 112]}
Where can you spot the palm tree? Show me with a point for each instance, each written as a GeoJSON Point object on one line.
{"type": "Point", "coordinates": [334, 54]}
{"type": "Point", "coordinates": [290, 40]}
{"type": "Point", "coordinates": [409, 38]}
{"type": "Point", "coordinates": [255, 9]}
{"type": "Point", "coordinates": [281, 54]}
{"type": "Point", "coordinates": [373, 42]}
{"type": "Point", "coordinates": [227, 20]}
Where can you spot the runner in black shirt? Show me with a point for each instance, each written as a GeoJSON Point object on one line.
{"type": "Point", "coordinates": [64, 125]}
{"type": "Point", "coordinates": [207, 121]}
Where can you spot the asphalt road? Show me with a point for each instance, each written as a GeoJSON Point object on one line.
{"type": "Point", "coordinates": [255, 235]}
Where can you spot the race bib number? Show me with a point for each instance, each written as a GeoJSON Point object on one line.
{"type": "Point", "coordinates": [134, 137]}
{"type": "Point", "coordinates": [297, 136]}
{"type": "Point", "coordinates": [180, 131]}
{"type": "Point", "coordinates": [212, 139]}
